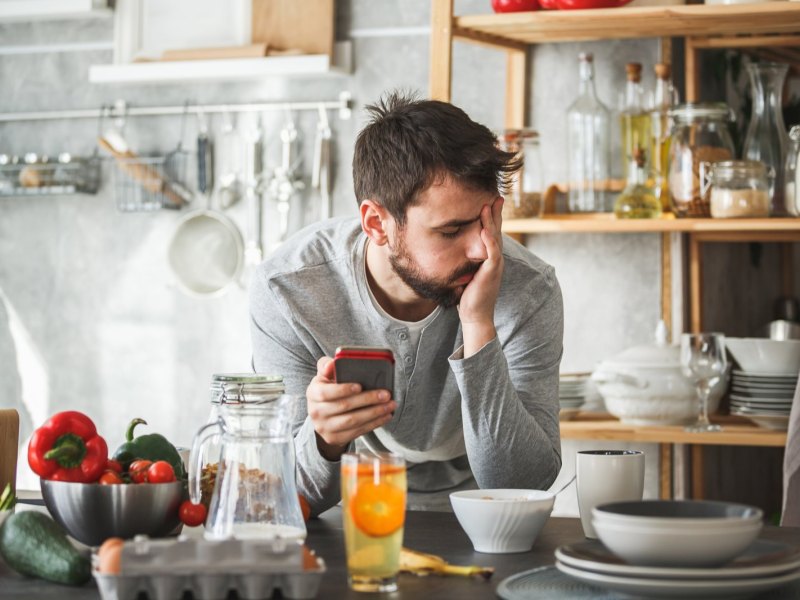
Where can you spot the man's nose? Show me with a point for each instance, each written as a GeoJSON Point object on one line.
{"type": "Point", "coordinates": [476, 250]}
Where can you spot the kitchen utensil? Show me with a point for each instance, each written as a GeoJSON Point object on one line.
{"type": "Point", "coordinates": [206, 251]}
{"type": "Point", "coordinates": [783, 330]}
{"type": "Point", "coordinates": [770, 357]}
{"type": "Point", "coordinates": [92, 513]}
{"type": "Point", "coordinates": [230, 179]}
{"type": "Point", "coordinates": [255, 495]}
{"type": "Point", "coordinates": [284, 183]}
{"type": "Point", "coordinates": [501, 521]}
{"type": "Point", "coordinates": [704, 362]}
{"type": "Point", "coordinates": [607, 476]}
{"type": "Point", "coordinates": [321, 172]}
{"type": "Point", "coordinates": [253, 180]}
{"type": "Point", "coordinates": [205, 157]}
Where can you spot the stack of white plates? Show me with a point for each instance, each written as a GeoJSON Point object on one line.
{"type": "Point", "coordinates": [764, 565]}
{"type": "Point", "coordinates": [571, 394]}
{"type": "Point", "coordinates": [765, 399]}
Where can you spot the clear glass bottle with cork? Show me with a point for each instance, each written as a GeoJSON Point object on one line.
{"type": "Point", "coordinates": [634, 120]}
{"type": "Point", "coordinates": [664, 98]}
{"type": "Point", "coordinates": [588, 127]}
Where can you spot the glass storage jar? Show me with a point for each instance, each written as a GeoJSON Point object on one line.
{"type": "Point", "coordinates": [792, 172]}
{"type": "Point", "coordinates": [700, 136]}
{"type": "Point", "coordinates": [739, 188]}
{"type": "Point", "coordinates": [525, 198]}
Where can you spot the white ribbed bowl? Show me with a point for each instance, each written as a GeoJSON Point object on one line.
{"type": "Point", "coordinates": [502, 521]}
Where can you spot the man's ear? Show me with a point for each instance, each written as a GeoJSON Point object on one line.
{"type": "Point", "coordinates": [374, 221]}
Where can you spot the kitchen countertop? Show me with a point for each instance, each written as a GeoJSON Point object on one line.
{"type": "Point", "coordinates": [436, 533]}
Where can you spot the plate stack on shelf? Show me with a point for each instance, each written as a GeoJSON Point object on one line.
{"type": "Point", "coordinates": [763, 398]}
{"type": "Point", "coordinates": [571, 394]}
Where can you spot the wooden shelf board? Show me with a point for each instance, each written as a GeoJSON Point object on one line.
{"type": "Point", "coordinates": [608, 223]}
{"type": "Point", "coordinates": [630, 22]}
{"type": "Point", "coordinates": [735, 432]}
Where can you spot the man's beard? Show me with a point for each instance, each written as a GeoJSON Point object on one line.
{"type": "Point", "coordinates": [445, 293]}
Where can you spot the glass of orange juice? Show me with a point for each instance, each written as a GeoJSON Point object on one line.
{"type": "Point", "coordinates": [374, 511]}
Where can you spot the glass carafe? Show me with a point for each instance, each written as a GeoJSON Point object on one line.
{"type": "Point", "coordinates": [254, 493]}
{"type": "Point", "coordinates": [766, 138]}
{"type": "Point", "coordinates": [588, 126]}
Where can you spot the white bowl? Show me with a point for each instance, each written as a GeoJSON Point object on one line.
{"type": "Point", "coordinates": [672, 533]}
{"type": "Point", "coordinates": [502, 521]}
{"type": "Point", "coordinates": [761, 355]}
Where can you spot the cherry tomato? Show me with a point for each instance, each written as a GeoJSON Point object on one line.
{"type": "Point", "coordinates": [160, 472]}
{"type": "Point", "coordinates": [113, 465]}
{"type": "Point", "coordinates": [138, 470]}
{"type": "Point", "coordinates": [305, 507]}
{"type": "Point", "coordinates": [109, 477]}
{"type": "Point", "coordinates": [192, 514]}
{"type": "Point", "coordinates": [504, 6]}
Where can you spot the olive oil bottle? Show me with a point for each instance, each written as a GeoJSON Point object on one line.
{"type": "Point", "coordinates": [637, 200]}
{"type": "Point", "coordinates": [664, 98]}
{"type": "Point", "coordinates": [634, 119]}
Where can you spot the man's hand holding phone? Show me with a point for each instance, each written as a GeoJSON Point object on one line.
{"type": "Point", "coordinates": [350, 396]}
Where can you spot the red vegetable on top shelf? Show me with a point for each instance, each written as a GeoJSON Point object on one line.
{"type": "Point", "coordinates": [504, 6]}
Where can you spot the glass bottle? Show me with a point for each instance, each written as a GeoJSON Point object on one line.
{"type": "Point", "coordinates": [525, 199]}
{"type": "Point", "coordinates": [588, 126]}
{"type": "Point", "coordinates": [700, 137]}
{"type": "Point", "coordinates": [634, 121]}
{"type": "Point", "coordinates": [664, 98]}
{"type": "Point", "coordinates": [792, 173]}
{"type": "Point", "coordinates": [637, 200]}
{"type": "Point", "coordinates": [766, 138]}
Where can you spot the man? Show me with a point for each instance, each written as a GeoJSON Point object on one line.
{"type": "Point", "coordinates": [475, 321]}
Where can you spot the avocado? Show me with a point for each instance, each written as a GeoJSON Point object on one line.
{"type": "Point", "coordinates": [33, 544]}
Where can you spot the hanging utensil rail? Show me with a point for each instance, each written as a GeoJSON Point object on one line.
{"type": "Point", "coordinates": [120, 109]}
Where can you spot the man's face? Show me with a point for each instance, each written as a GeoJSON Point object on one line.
{"type": "Point", "coordinates": [439, 249]}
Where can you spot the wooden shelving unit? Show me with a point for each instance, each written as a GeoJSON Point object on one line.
{"type": "Point", "coordinates": [757, 27]}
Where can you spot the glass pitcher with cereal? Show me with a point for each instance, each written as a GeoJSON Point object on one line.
{"type": "Point", "coordinates": [252, 488]}
{"type": "Point", "coordinates": [700, 137]}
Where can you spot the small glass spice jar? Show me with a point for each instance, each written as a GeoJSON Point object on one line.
{"type": "Point", "coordinates": [739, 188]}
{"type": "Point", "coordinates": [699, 137]}
{"type": "Point", "coordinates": [525, 198]}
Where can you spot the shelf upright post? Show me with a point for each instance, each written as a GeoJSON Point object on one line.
{"type": "Point", "coordinates": [441, 62]}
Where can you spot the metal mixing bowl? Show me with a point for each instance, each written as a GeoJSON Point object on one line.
{"type": "Point", "coordinates": [91, 512]}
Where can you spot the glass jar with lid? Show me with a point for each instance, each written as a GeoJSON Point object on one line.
{"type": "Point", "coordinates": [700, 137]}
{"type": "Point", "coordinates": [739, 188]}
{"type": "Point", "coordinates": [525, 199]}
{"type": "Point", "coordinates": [792, 171]}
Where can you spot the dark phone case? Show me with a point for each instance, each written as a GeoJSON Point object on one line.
{"type": "Point", "coordinates": [373, 368]}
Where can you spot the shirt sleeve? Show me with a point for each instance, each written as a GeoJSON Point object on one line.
{"type": "Point", "coordinates": [509, 395]}
{"type": "Point", "coordinates": [281, 347]}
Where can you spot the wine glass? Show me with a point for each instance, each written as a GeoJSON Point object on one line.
{"type": "Point", "coordinates": [703, 362]}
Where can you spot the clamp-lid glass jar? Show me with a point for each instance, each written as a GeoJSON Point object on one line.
{"type": "Point", "coordinates": [739, 188]}
{"type": "Point", "coordinates": [525, 198]}
{"type": "Point", "coordinates": [243, 388]}
{"type": "Point", "coordinates": [700, 136]}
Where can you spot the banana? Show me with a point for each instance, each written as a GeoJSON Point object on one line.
{"type": "Point", "coordinates": [422, 564]}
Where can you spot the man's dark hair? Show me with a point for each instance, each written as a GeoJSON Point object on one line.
{"type": "Point", "coordinates": [410, 144]}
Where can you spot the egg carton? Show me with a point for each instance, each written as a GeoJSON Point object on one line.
{"type": "Point", "coordinates": [210, 570]}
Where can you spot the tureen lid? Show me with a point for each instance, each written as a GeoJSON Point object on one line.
{"type": "Point", "coordinates": [659, 354]}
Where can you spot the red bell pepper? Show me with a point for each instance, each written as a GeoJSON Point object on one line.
{"type": "Point", "coordinates": [67, 448]}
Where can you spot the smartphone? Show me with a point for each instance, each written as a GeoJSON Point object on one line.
{"type": "Point", "coordinates": [373, 368]}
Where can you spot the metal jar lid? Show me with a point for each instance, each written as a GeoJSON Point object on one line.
{"type": "Point", "coordinates": [245, 388]}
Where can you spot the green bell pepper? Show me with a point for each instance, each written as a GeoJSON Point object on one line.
{"type": "Point", "coordinates": [153, 446]}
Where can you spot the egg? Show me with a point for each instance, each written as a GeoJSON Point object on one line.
{"type": "Point", "coordinates": [109, 556]}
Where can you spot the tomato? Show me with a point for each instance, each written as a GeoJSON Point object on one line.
{"type": "Point", "coordinates": [109, 477]}
{"type": "Point", "coordinates": [586, 4]}
{"type": "Point", "coordinates": [305, 507]}
{"type": "Point", "coordinates": [138, 470]}
{"type": "Point", "coordinates": [504, 6]}
{"type": "Point", "coordinates": [113, 465]}
{"type": "Point", "coordinates": [548, 4]}
{"type": "Point", "coordinates": [160, 472]}
{"type": "Point", "coordinates": [192, 514]}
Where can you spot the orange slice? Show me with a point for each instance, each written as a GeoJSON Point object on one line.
{"type": "Point", "coordinates": [378, 509]}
